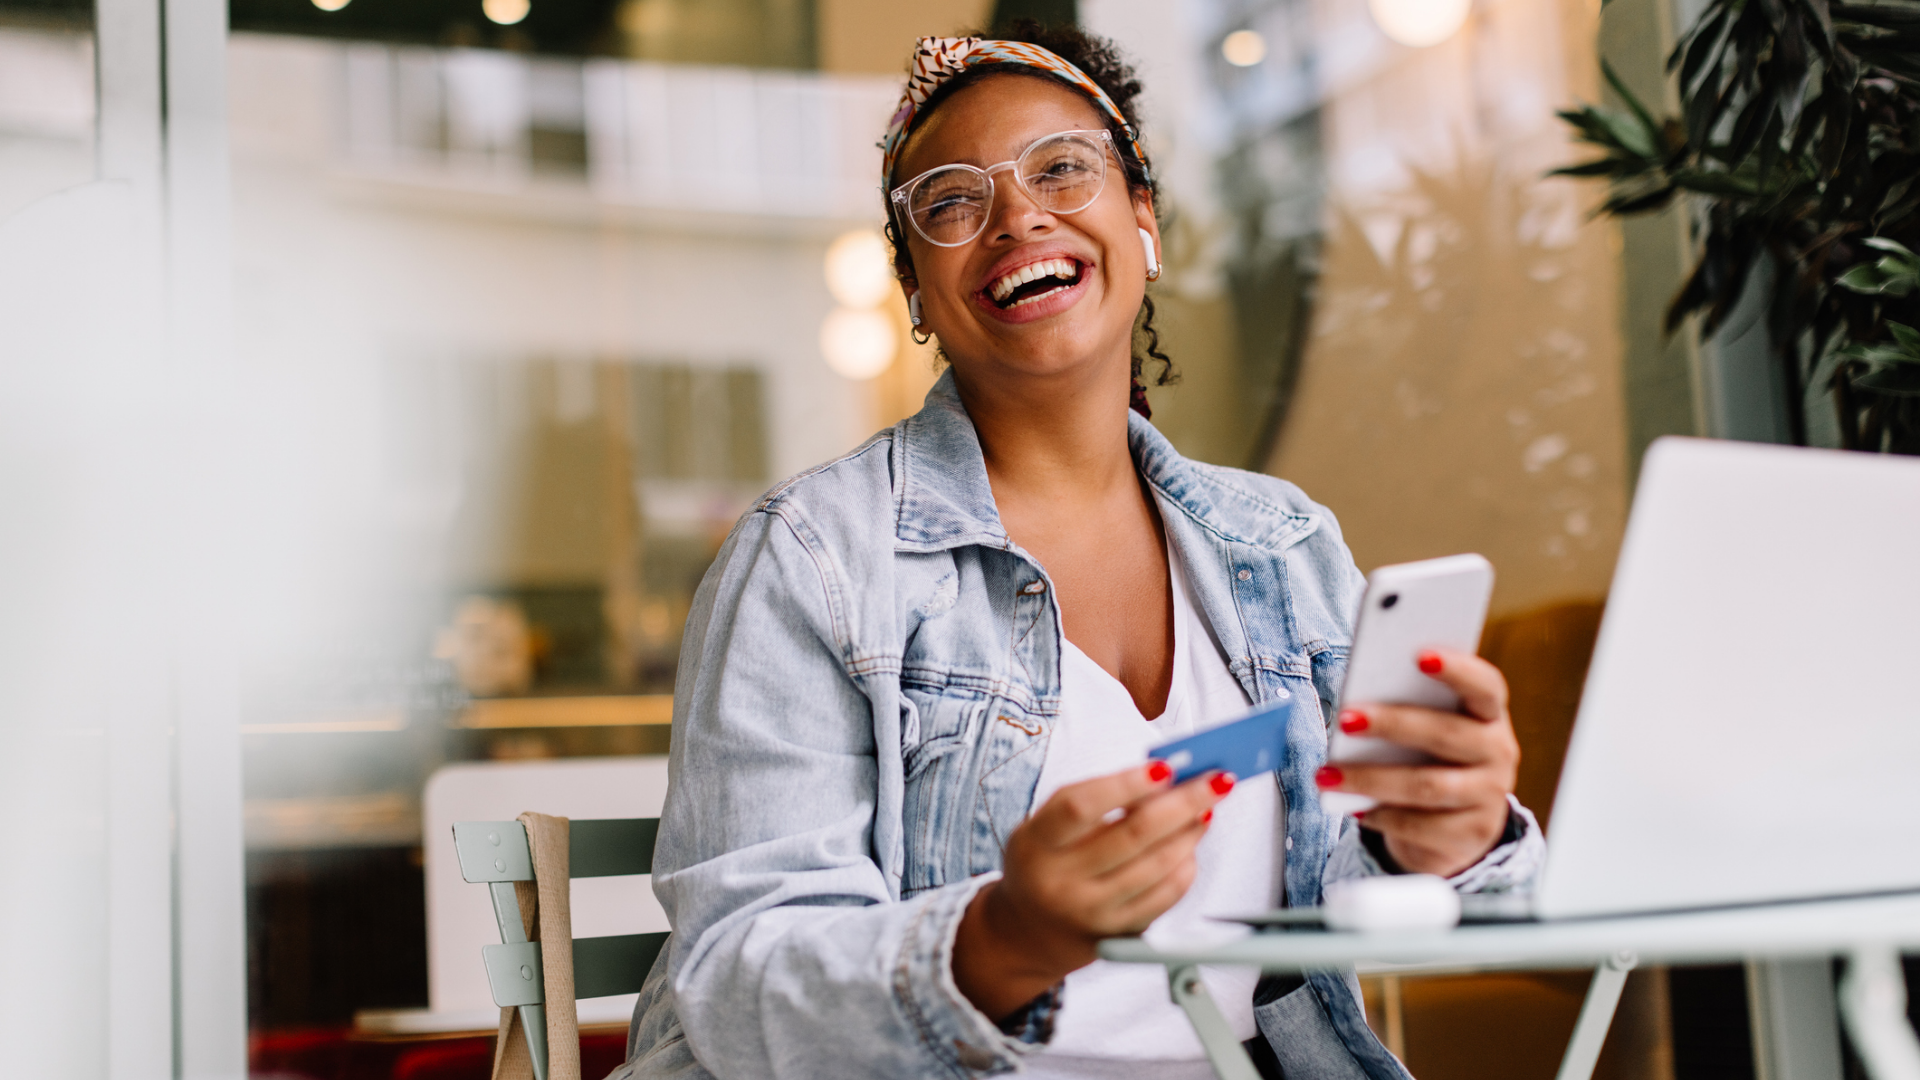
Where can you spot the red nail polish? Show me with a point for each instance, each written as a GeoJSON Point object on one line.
{"type": "Point", "coordinates": [1353, 721]}
{"type": "Point", "coordinates": [1359, 815]}
{"type": "Point", "coordinates": [1221, 783]}
{"type": "Point", "coordinates": [1429, 663]}
{"type": "Point", "coordinates": [1157, 771]}
{"type": "Point", "coordinates": [1329, 776]}
{"type": "Point", "coordinates": [1206, 817]}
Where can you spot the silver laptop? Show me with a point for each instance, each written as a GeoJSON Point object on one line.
{"type": "Point", "coordinates": [1750, 728]}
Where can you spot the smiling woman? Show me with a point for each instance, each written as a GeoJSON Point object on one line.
{"type": "Point", "coordinates": [1063, 172]}
{"type": "Point", "coordinates": [912, 777]}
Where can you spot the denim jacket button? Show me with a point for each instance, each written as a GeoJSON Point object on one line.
{"type": "Point", "coordinates": [1289, 843]}
{"type": "Point", "coordinates": [1245, 575]}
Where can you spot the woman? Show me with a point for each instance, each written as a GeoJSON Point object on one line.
{"type": "Point", "coordinates": [910, 787]}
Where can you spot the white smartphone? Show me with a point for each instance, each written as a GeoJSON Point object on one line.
{"type": "Point", "coordinates": [1407, 607]}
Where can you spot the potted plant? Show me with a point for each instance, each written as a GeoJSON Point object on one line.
{"type": "Point", "coordinates": [1799, 143]}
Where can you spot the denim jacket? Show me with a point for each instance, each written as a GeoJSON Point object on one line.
{"type": "Point", "coordinates": [870, 672]}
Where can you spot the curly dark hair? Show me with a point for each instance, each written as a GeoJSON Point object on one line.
{"type": "Point", "coordinates": [1100, 59]}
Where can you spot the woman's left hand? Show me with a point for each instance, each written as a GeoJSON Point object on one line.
{"type": "Point", "coordinates": [1439, 818]}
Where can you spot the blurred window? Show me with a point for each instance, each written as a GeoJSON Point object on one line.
{"type": "Point", "coordinates": [660, 136]}
{"type": "Point", "coordinates": [529, 332]}
{"type": "Point", "coordinates": [757, 33]}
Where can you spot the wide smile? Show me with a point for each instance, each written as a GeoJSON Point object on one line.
{"type": "Point", "coordinates": [1035, 290]}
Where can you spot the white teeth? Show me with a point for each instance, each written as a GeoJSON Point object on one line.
{"type": "Point", "coordinates": [1061, 268]}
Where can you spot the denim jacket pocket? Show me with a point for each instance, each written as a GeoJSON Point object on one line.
{"type": "Point", "coordinates": [938, 730]}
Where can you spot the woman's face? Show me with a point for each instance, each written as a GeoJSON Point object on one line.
{"type": "Point", "coordinates": [1055, 325]}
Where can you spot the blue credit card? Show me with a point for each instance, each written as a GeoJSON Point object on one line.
{"type": "Point", "coordinates": [1249, 746]}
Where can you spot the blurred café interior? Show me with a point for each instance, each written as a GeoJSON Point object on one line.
{"type": "Point", "coordinates": [424, 351]}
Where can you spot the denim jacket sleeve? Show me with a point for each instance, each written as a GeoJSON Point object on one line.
{"type": "Point", "coordinates": [1511, 867]}
{"type": "Point", "coordinates": [792, 953]}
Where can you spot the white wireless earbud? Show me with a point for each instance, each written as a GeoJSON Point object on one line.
{"type": "Point", "coordinates": [1153, 258]}
{"type": "Point", "coordinates": [913, 307]}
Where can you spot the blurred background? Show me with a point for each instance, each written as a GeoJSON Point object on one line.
{"type": "Point", "coordinates": [378, 378]}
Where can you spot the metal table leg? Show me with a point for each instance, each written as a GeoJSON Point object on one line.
{"type": "Point", "coordinates": [1596, 1016]}
{"type": "Point", "coordinates": [1873, 1001]}
{"type": "Point", "coordinates": [1229, 1058]}
{"type": "Point", "coordinates": [1796, 1026]}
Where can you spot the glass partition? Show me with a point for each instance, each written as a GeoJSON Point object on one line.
{"type": "Point", "coordinates": [61, 674]}
{"type": "Point", "coordinates": [530, 332]}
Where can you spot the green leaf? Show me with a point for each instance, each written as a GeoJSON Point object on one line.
{"type": "Point", "coordinates": [1894, 275]}
{"type": "Point", "coordinates": [1624, 133]}
{"type": "Point", "coordinates": [1864, 278]}
{"type": "Point", "coordinates": [1878, 355]}
{"type": "Point", "coordinates": [1907, 336]}
{"type": "Point", "coordinates": [1898, 381]}
{"type": "Point", "coordinates": [1881, 243]}
{"type": "Point", "coordinates": [1648, 135]}
{"type": "Point", "coordinates": [1716, 183]}
{"type": "Point", "coordinates": [1623, 204]}
{"type": "Point", "coordinates": [1705, 44]}
{"type": "Point", "coordinates": [1602, 167]}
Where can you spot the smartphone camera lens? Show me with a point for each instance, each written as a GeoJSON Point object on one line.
{"type": "Point", "coordinates": [1390, 599]}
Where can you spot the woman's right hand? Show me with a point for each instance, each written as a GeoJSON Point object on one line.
{"type": "Point", "coordinates": [1102, 858]}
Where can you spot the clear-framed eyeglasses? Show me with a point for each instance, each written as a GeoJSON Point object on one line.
{"type": "Point", "coordinates": [1062, 173]}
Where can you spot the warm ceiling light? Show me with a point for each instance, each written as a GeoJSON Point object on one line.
{"type": "Point", "coordinates": [859, 273]}
{"type": "Point", "coordinates": [506, 12]}
{"type": "Point", "coordinates": [330, 5]}
{"type": "Point", "coordinates": [1244, 48]}
{"type": "Point", "coordinates": [858, 344]}
{"type": "Point", "coordinates": [1419, 23]}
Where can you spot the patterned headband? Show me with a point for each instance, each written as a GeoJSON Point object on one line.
{"type": "Point", "coordinates": [935, 60]}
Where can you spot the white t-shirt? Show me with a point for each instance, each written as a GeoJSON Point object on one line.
{"type": "Point", "coordinates": [1116, 1020]}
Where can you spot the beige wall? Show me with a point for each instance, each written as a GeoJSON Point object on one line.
{"type": "Point", "coordinates": [875, 36]}
{"type": "Point", "coordinates": [1461, 386]}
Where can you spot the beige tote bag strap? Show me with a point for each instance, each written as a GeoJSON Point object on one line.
{"type": "Point", "coordinates": [547, 915]}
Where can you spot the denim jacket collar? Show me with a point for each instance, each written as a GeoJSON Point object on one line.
{"type": "Point", "coordinates": [944, 500]}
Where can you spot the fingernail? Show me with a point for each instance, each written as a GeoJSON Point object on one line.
{"type": "Point", "coordinates": [1429, 663]}
{"type": "Point", "coordinates": [1353, 721]}
{"type": "Point", "coordinates": [1329, 776]}
{"type": "Point", "coordinates": [1359, 815]}
{"type": "Point", "coordinates": [1206, 817]}
{"type": "Point", "coordinates": [1221, 783]}
{"type": "Point", "coordinates": [1157, 771]}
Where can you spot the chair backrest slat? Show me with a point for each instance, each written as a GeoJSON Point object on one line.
{"type": "Point", "coordinates": [606, 966]}
{"type": "Point", "coordinates": [495, 851]}
{"type": "Point", "coordinates": [611, 847]}
{"type": "Point", "coordinates": [515, 973]}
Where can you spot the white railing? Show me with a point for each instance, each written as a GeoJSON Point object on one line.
{"type": "Point", "coordinates": [666, 136]}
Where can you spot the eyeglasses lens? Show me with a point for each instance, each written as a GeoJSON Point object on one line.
{"type": "Point", "coordinates": [1062, 175]}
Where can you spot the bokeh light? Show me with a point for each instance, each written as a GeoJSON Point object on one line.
{"type": "Point", "coordinates": [506, 12]}
{"type": "Point", "coordinates": [1419, 23]}
{"type": "Point", "coordinates": [858, 344]}
{"type": "Point", "coordinates": [858, 272]}
{"type": "Point", "coordinates": [1244, 48]}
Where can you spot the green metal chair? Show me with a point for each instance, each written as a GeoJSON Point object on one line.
{"type": "Point", "coordinates": [496, 853]}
